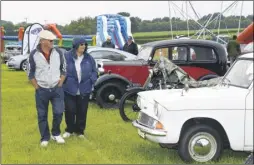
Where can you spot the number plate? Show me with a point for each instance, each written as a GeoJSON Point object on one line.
{"type": "Point", "coordinates": [142, 134]}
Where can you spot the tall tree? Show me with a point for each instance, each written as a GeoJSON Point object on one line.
{"type": "Point", "coordinates": [126, 14]}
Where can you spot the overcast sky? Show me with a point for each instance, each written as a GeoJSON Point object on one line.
{"type": "Point", "coordinates": [62, 12]}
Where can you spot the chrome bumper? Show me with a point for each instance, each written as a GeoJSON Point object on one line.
{"type": "Point", "coordinates": [144, 130]}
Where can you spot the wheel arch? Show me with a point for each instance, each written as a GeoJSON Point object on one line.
{"type": "Point", "coordinates": [22, 61]}
{"type": "Point", "coordinates": [111, 78]}
{"type": "Point", "coordinates": [209, 122]}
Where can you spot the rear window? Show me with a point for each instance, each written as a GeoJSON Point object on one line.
{"type": "Point", "coordinates": [198, 53]}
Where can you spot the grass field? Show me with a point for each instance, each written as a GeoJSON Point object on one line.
{"type": "Point", "coordinates": [110, 140]}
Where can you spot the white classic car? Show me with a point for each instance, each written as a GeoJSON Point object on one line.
{"type": "Point", "coordinates": [201, 122]}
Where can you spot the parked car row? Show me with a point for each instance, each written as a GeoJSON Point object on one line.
{"type": "Point", "coordinates": [11, 51]}
{"type": "Point", "coordinates": [19, 62]}
{"type": "Point", "coordinates": [198, 122]}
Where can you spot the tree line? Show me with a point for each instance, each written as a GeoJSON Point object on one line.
{"type": "Point", "coordinates": [87, 25]}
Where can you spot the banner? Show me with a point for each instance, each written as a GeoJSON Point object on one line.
{"type": "Point", "coordinates": [25, 45]}
{"type": "Point", "coordinates": [33, 38]}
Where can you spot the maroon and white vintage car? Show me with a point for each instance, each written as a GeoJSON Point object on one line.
{"type": "Point", "coordinates": [201, 59]}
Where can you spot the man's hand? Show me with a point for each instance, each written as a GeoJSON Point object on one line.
{"type": "Point", "coordinates": [34, 83]}
{"type": "Point", "coordinates": [60, 83]}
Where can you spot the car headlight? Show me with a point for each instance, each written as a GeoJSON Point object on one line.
{"type": "Point", "coordinates": [149, 121]}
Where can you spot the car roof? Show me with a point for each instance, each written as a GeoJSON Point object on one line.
{"type": "Point", "coordinates": [14, 45]}
{"type": "Point", "coordinates": [110, 49]}
{"type": "Point", "coordinates": [208, 43]}
{"type": "Point", "coordinates": [247, 55]}
{"type": "Point", "coordinates": [183, 41]}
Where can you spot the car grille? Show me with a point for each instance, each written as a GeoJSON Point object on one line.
{"type": "Point", "coordinates": [146, 120]}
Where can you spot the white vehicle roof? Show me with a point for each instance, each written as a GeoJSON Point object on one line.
{"type": "Point", "coordinates": [7, 46]}
{"type": "Point", "coordinates": [247, 55]}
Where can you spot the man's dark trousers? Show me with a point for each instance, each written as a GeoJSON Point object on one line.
{"type": "Point", "coordinates": [56, 97]}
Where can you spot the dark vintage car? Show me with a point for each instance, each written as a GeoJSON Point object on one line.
{"type": "Point", "coordinates": [201, 59]}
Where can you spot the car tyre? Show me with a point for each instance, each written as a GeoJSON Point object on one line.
{"type": "Point", "coordinates": [191, 147]}
{"type": "Point", "coordinates": [107, 90]}
{"type": "Point", "coordinates": [133, 114]}
{"type": "Point", "coordinates": [249, 159]}
{"type": "Point", "coordinates": [23, 65]}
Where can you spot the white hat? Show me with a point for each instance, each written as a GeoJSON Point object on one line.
{"type": "Point", "coordinates": [48, 35]}
{"type": "Point", "coordinates": [109, 37]}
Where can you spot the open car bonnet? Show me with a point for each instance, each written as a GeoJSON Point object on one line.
{"type": "Point", "coordinates": [175, 72]}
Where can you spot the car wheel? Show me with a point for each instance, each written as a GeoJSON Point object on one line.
{"type": "Point", "coordinates": [128, 107]}
{"type": "Point", "coordinates": [249, 160]}
{"type": "Point", "coordinates": [23, 65]}
{"type": "Point", "coordinates": [200, 143]}
{"type": "Point", "coordinates": [109, 94]}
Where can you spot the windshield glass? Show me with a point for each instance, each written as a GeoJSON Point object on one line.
{"type": "Point", "coordinates": [144, 53]}
{"type": "Point", "coordinates": [241, 74]}
{"type": "Point", "coordinates": [248, 48]}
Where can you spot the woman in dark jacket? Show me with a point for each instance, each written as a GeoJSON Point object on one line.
{"type": "Point", "coordinates": [80, 78]}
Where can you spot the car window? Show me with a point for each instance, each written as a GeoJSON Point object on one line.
{"type": "Point", "coordinates": [161, 51]}
{"type": "Point", "coordinates": [144, 53]}
{"type": "Point", "coordinates": [96, 54]}
{"type": "Point", "coordinates": [241, 74]}
{"type": "Point", "coordinates": [248, 48]}
{"type": "Point", "coordinates": [9, 48]}
{"type": "Point", "coordinates": [198, 53]}
{"type": "Point", "coordinates": [179, 53]}
{"type": "Point", "coordinates": [110, 55]}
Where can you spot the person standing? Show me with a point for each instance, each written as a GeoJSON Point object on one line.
{"type": "Point", "coordinates": [47, 74]}
{"type": "Point", "coordinates": [233, 49]}
{"type": "Point", "coordinates": [108, 43]}
{"type": "Point", "coordinates": [130, 46]}
{"type": "Point", "coordinates": [81, 76]}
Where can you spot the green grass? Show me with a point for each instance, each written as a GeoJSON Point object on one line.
{"type": "Point", "coordinates": [110, 140]}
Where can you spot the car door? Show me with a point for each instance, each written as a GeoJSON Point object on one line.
{"type": "Point", "coordinates": [248, 140]}
{"type": "Point", "coordinates": [202, 60]}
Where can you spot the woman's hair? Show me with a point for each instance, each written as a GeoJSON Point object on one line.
{"type": "Point", "coordinates": [86, 47]}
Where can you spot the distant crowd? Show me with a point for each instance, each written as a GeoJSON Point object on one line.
{"type": "Point", "coordinates": [130, 46]}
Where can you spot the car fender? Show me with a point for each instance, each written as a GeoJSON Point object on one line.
{"type": "Point", "coordinates": [109, 77]}
{"type": "Point", "coordinates": [135, 89]}
{"type": "Point", "coordinates": [209, 76]}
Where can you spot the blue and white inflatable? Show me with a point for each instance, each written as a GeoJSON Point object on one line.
{"type": "Point", "coordinates": [116, 26]}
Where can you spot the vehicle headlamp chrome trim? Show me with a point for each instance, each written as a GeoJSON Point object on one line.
{"type": "Point", "coordinates": [148, 121]}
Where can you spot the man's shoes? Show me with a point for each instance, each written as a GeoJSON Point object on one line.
{"type": "Point", "coordinates": [66, 135]}
{"type": "Point", "coordinates": [81, 136]}
{"type": "Point", "coordinates": [44, 143]}
{"type": "Point", "coordinates": [58, 139]}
